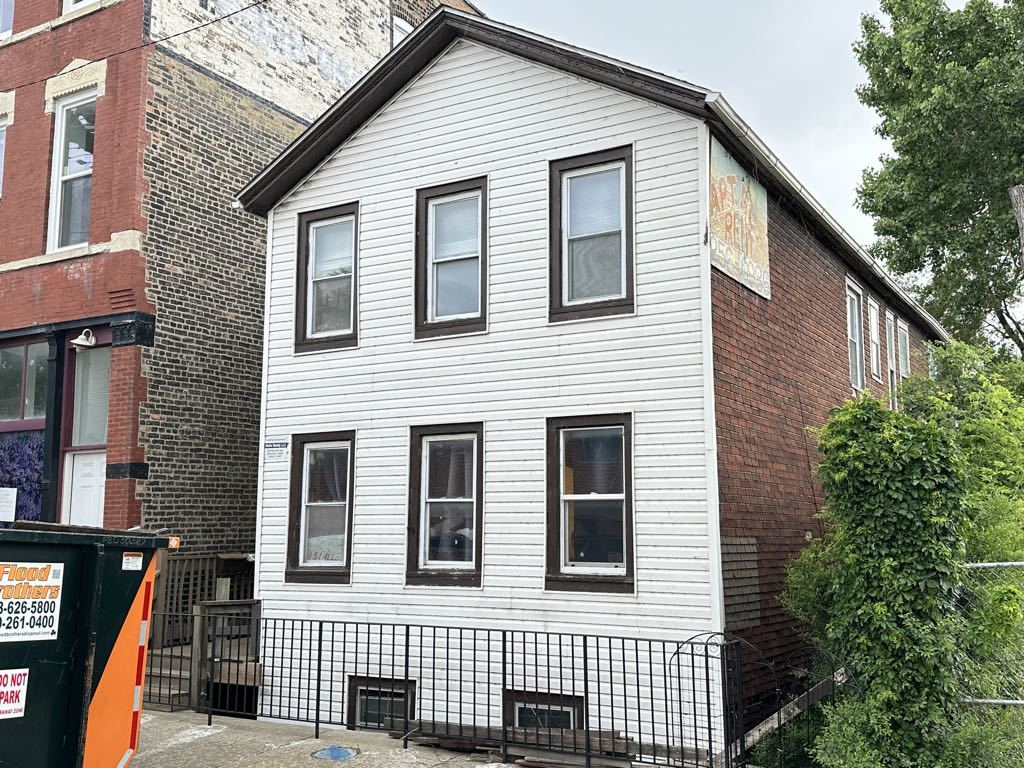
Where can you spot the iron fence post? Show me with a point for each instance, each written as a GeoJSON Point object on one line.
{"type": "Point", "coordinates": [504, 687]}
{"type": "Point", "coordinates": [739, 702]}
{"type": "Point", "coordinates": [586, 705]}
{"type": "Point", "coordinates": [211, 639]}
{"type": "Point", "coordinates": [405, 699]}
{"type": "Point", "coordinates": [319, 662]}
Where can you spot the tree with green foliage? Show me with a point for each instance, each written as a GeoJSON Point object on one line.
{"type": "Point", "coordinates": [948, 86]}
{"type": "Point", "coordinates": [910, 497]}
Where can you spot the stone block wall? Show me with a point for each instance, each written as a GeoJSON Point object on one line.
{"type": "Point", "coordinates": [205, 263]}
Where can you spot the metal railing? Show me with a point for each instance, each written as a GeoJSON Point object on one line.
{"type": "Point", "coordinates": [510, 691]}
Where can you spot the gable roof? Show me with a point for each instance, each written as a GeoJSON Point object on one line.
{"type": "Point", "coordinates": [384, 81]}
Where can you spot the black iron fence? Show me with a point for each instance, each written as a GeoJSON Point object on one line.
{"type": "Point", "coordinates": [513, 692]}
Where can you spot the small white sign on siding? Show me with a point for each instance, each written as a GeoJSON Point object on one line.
{"type": "Point", "coordinates": [275, 448]}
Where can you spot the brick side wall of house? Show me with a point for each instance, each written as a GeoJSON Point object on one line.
{"type": "Point", "coordinates": [205, 261]}
{"type": "Point", "coordinates": [780, 366]}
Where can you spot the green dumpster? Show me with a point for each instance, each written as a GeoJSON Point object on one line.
{"type": "Point", "coordinates": [74, 610]}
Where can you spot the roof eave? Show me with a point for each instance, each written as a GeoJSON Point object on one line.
{"type": "Point", "coordinates": [427, 41]}
{"type": "Point", "coordinates": [743, 133]}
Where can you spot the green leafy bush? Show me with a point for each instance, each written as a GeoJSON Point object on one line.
{"type": "Point", "coordinates": [912, 496]}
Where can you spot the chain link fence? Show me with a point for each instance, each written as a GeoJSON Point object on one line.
{"type": "Point", "coordinates": [990, 651]}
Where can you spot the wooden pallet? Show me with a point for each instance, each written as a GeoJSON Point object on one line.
{"type": "Point", "coordinates": [519, 741]}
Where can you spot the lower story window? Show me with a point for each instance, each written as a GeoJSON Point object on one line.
{"type": "Point", "coordinates": [445, 505]}
{"type": "Point", "coordinates": [375, 702]}
{"type": "Point", "coordinates": [536, 710]}
{"type": "Point", "coordinates": [590, 503]}
{"type": "Point", "coordinates": [320, 524]}
{"type": "Point", "coordinates": [23, 381]}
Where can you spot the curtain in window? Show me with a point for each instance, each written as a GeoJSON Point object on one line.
{"type": "Point", "coordinates": [450, 523]}
{"type": "Point", "coordinates": [595, 235]}
{"type": "Point", "coordinates": [457, 228]}
{"type": "Point", "coordinates": [92, 388]}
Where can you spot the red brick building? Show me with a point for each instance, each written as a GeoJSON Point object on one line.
{"type": "Point", "coordinates": [131, 292]}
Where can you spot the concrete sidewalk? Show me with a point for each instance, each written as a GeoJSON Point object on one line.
{"type": "Point", "coordinates": [183, 740]}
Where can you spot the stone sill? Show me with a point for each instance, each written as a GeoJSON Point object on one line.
{"type": "Point", "coordinates": [65, 18]}
{"type": "Point", "coordinates": [129, 240]}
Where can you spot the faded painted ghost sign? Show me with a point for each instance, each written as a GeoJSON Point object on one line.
{"type": "Point", "coordinates": [739, 223]}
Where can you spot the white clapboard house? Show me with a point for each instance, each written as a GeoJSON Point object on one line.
{"type": "Point", "coordinates": [490, 450]}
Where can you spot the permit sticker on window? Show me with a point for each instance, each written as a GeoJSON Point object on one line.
{"type": "Point", "coordinates": [30, 596]}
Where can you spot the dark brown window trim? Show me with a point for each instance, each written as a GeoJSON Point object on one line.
{"type": "Point", "coordinates": [307, 574]}
{"type": "Point", "coordinates": [414, 574]}
{"type": "Point", "coordinates": [392, 685]}
{"type": "Point", "coordinates": [341, 341]}
{"type": "Point", "coordinates": [564, 700]}
{"type": "Point", "coordinates": [424, 328]}
{"type": "Point", "coordinates": [624, 306]}
{"type": "Point", "coordinates": [555, 579]}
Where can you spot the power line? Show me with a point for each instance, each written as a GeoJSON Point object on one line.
{"type": "Point", "coordinates": [145, 45]}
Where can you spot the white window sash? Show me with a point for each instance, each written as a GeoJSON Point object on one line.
{"type": "Point", "coordinates": [71, 5]}
{"type": "Point", "coordinates": [303, 517]}
{"type": "Point", "coordinates": [3, 147]}
{"type": "Point", "coordinates": [57, 176]}
{"type": "Point", "coordinates": [903, 336]}
{"type": "Point", "coordinates": [875, 337]}
{"type": "Point", "coordinates": [425, 501]}
{"type": "Point", "coordinates": [890, 349]}
{"type": "Point", "coordinates": [312, 280]}
{"type": "Point", "coordinates": [855, 334]}
{"type": "Point", "coordinates": [5, 33]}
{"type": "Point", "coordinates": [566, 176]}
{"type": "Point", "coordinates": [433, 260]}
{"type": "Point", "coordinates": [597, 568]}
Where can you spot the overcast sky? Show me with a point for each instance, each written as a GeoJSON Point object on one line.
{"type": "Point", "coordinates": [786, 66]}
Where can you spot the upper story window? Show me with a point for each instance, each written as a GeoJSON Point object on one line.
{"type": "Point", "coordinates": [3, 149]}
{"type": "Point", "coordinates": [6, 18]}
{"type": "Point", "coordinates": [875, 339]}
{"type": "Point", "coordinates": [71, 5]}
{"type": "Point", "coordinates": [904, 343]}
{"type": "Point", "coordinates": [591, 232]}
{"type": "Point", "coordinates": [320, 514]}
{"type": "Point", "coordinates": [890, 348]}
{"type": "Point", "coordinates": [71, 185]}
{"type": "Point", "coordinates": [326, 314]}
{"type": "Point", "coordinates": [451, 259]}
{"type": "Point", "coordinates": [855, 334]}
{"type": "Point", "coordinates": [445, 505]}
{"type": "Point", "coordinates": [400, 29]}
{"type": "Point", "coordinates": [590, 504]}
{"type": "Point", "coordinates": [23, 376]}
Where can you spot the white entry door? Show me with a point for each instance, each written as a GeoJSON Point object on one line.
{"type": "Point", "coordinates": [84, 478]}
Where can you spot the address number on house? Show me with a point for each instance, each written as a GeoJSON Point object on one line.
{"type": "Point", "coordinates": [30, 595]}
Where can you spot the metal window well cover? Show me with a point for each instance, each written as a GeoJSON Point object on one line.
{"type": "Point", "coordinates": [335, 754]}
{"type": "Point", "coordinates": [74, 604]}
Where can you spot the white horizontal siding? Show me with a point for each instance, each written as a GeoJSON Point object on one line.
{"type": "Point", "coordinates": [477, 111]}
